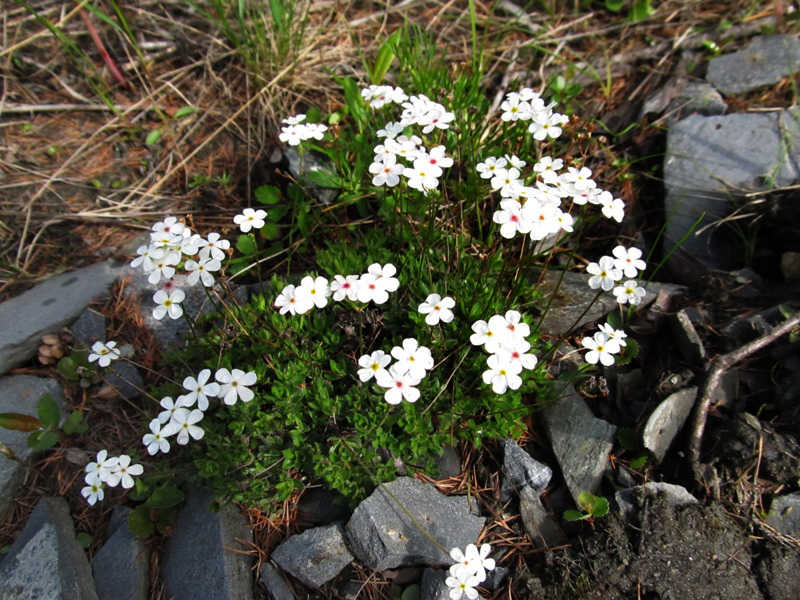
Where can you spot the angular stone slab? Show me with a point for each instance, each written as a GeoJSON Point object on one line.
{"type": "Point", "coordinates": [315, 556]}
{"type": "Point", "coordinates": [522, 470]}
{"type": "Point", "coordinates": [20, 394]}
{"type": "Point", "coordinates": [541, 528]}
{"type": "Point", "coordinates": [274, 584]}
{"type": "Point", "coordinates": [784, 514]}
{"type": "Point", "coordinates": [46, 561]}
{"type": "Point", "coordinates": [90, 327]}
{"type": "Point", "coordinates": [581, 442]}
{"type": "Point", "coordinates": [121, 567]}
{"type": "Point", "coordinates": [433, 586]}
{"type": "Point", "coordinates": [47, 308]}
{"type": "Point", "coordinates": [201, 558]}
{"type": "Point", "coordinates": [765, 61]}
{"type": "Point", "coordinates": [667, 420]}
{"type": "Point", "coordinates": [675, 495]}
{"type": "Point", "coordinates": [382, 535]}
{"type": "Point", "coordinates": [712, 160]}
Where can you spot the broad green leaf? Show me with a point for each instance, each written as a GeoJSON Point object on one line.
{"type": "Point", "coordinates": [641, 10]}
{"type": "Point", "coordinates": [49, 413]}
{"type": "Point", "coordinates": [383, 61]}
{"type": "Point", "coordinates": [267, 194]}
{"type": "Point", "coordinates": [165, 497]}
{"type": "Point", "coordinates": [573, 515]}
{"type": "Point", "coordinates": [152, 137]}
{"type": "Point", "coordinates": [139, 522]}
{"type": "Point", "coordinates": [614, 5]}
{"type": "Point", "coordinates": [19, 422]}
{"type": "Point", "coordinates": [42, 440]}
{"type": "Point", "coordinates": [185, 112]}
{"type": "Point", "coordinates": [411, 593]}
{"type": "Point", "coordinates": [246, 245]}
{"type": "Point", "coordinates": [269, 231]}
{"type": "Point", "coordinates": [600, 507]}
{"type": "Point", "coordinates": [68, 367]}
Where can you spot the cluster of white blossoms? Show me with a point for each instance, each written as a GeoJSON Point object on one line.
{"type": "Point", "coordinates": [400, 379]}
{"type": "Point", "coordinates": [625, 262]}
{"type": "Point", "coordinates": [181, 416]}
{"type": "Point", "coordinates": [604, 344]}
{"type": "Point", "coordinates": [110, 471]}
{"type": "Point", "coordinates": [172, 243]}
{"type": "Point", "coordinates": [528, 106]}
{"type": "Point", "coordinates": [372, 286]}
{"type": "Point", "coordinates": [503, 337]}
{"type": "Point", "coordinates": [297, 131]}
{"type": "Point", "coordinates": [469, 571]}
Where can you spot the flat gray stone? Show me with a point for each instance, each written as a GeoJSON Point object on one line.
{"type": "Point", "coordinates": [581, 442]}
{"type": "Point", "coordinates": [447, 464]}
{"type": "Point", "coordinates": [47, 308]}
{"type": "Point", "coordinates": [121, 568]}
{"type": "Point", "coordinates": [315, 556]}
{"type": "Point", "coordinates": [125, 378]}
{"type": "Point", "coordinates": [543, 531]}
{"type": "Point", "coordinates": [433, 586]}
{"type": "Point", "coordinates": [383, 535]}
{"type": "Point", "coordinates": [20, 394]}
{"type": "Point", "coordinates": [630, 499]}
{"type": "Point", "coordinates": [46, 561]}
{"type": "Point", "coordinates": [520, 469]}
{"type": "Point", "coordinates": [201, 558]}
{"type": "Point", "coordinates": [90, 327]}
{"type": "Point", "coordinates": [784, 514]}
{"type": "Point", "coordinates": [273, 583]}
{"type": "Point", "coordinates": [711, 162]}
{"type": "Point", "coordinates": [765, 61]}
{"type": "Point", "coordinates": [667, 420]}
{"type": "Point", "coordinates": [679, 98]}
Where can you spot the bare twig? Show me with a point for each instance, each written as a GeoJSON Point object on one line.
{"type": "Point", "coordinates": [715, 372]}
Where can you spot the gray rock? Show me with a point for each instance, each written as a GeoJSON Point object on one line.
{"type": "Point", "coordinates": [521, 470]}
{"type": "Point", "coordinates": [274, 584]}
{"type": "Point", "coordinates": [315, 556]}
{"type": "Point", "coordinates": [121, 568]}
{"type": "Point", "coordinates": [433, 586]}
{"type": "Point", "coordinates": [447, 464]}
{"type": "Point", "coordinates": [667, 420]}
{"type": "Point", "coordinates": [687, 338]}
{"type": "Point", "coordinates": [321, 506]}
{"type": "Point", "coordinates": [386, 529]}
{"type": "Point", "coordinates": [630, 499]}
{"type": "Point", "coordinates": [784, 514]}
{"type": "Point", "coordinates": [46, 561]}
{"type": "Point", "coordinates": [119, 518]}
{"type": "Point", "coordinates": [495, 578]}
{"type": "Point", "coordinates": [679, 98]}
{"type": "Point", "coordinates": [125, 378]}
{"type": "Point", "coordinates": [89, 328]}
{"type": "Point", "coordinates": [573, 296]}
{"type": "Point", "coordinates": [710, 162]}
{"type": "Point", "coordinates": [20, 394]}
{"type": "Point", "coordinates": [765, 61]}
{"type": "Point", "coordinates": [299, 167]}
{"type": "Point", "coordinates": [581, 442]}
{"type": "Point", "coordinates": [543, 531]}
{"type": "Point", "coordinates": [47, 308]}
{"type": "Point", "coordinates": [201, 560]}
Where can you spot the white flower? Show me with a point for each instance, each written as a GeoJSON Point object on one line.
{"type": "Point", "coordinates": [386, 276]}
{"type": "Point", "coordinates": [511, 219]}
{"type": "Point", "coordinates": [164, 267]}
{"type": "Point", "coordinates": [168, 304]}
{"type": "Point", "coordinates": [490, 167]}
{"type": "Point", "coordinates": [312, 292]}
{"type": "Point", "coordinates": [295, 120]}
{"type": "Point", "coordinates": [155, 440]}
{"type": "Point", "coordinates": [372, 364]}
{"type": "Point", "coordinates": [213, 246]}
{"type": "Point", "coordinates": [463, 585]}
{"type": "Point", "coordinates": [170, 407]}
{"type": "Point", "coordinates": [629, 292]}
{"type": "Point", "coordinates": [93, 492]}
{"type": "Point", "coordinates": [292, 135]}
{"type": "Point", "coordinates": [399, 384]}
{"type": "Point", "coordinates": [184, 424]}
{"type": "Point", "coordinates": [601, 348]}
{"type": "Point", "coordinates": [170, 225]}
{"type": "Point", "coordinates": [234, 385]}
{"type": "Point", "coordinates": [472, 562]}
{"type": "Point", "coordinates": [123, 472]}
{"type": "Point", "coordinates": [514, 108]}
{"type": "Point", "coordinates": [580, 178]}
{"type": "Point", "coordinates": [604, 274]}
{"type": "Point", "coordinates": [503, 373]}
{"type": "Point", "coordinates": [200, 389]}
{"type": "Point", "coordinates": [250, 219]}
{"type": "Point", "coordinates": [100, 470]}
{"type": "Point", "coordinates": [517, 349]}
{"type": "Point", "coordinates": [202, 270]}
{"type": "Point", "coordinates": [613, 208]}
{"type": "Point", "coordinates": [413, 358]}
{"type": "Point", "coordinates": [370, 289]}
{"type": "Point", "coordinates": [629, 261]}
{"type": "Point", "coordinates": [286, 301]}
{"type": "Point", "coordinates": [421, 179]}
{"type": "Point", "coordinates": [489, 335]}
{"type": "Point", "coordinates": [390, 130]}
{"type": "Point", "coordinates": [387, 172]}
{"type": "Point", "coordinates": [437, 308]}
{"type": "Point", "coordinates": [345, 287]}
{"type": "Point", "coordinates": [614, 334]}
{"type": "Point", "coordinates": [104, 353]}
{"type": "Point", "coordinates": [147, 255]}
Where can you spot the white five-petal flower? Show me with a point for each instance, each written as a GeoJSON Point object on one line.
{"type": "Point", "coordinates": [234, 385]}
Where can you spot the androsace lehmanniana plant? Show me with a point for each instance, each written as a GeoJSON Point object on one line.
{"type": "Point", "coordinates": [364, 353]}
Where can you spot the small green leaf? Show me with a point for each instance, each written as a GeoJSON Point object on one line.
{"type": "Point", "coordinates": [573, 515]}
{"type": "Point", "coordinates": [19, 422]}
{"type": "Point", "coordinates": [324, 179]}
{"type": "Point", "coordinates": [629, 352]}
{"type": "Point", "coordinates": [269, 231]}
{"type": "Point", "coordinates": [165, 497]}
{"type": "Point", "coordinates": [49, 413]}
{"type": "Point", "coordinates": [638, 462]}
{"type": "Point", "coordinates": [140, 491]}
{"type": "Point", "coordinates": [267, 194]}
{"type": "Point", "coordinates": [185, 112]}
{"type": "Point", "coordinates": [641, 10]}
{"type": "Point", "coordinates": [68, 367]}
{"type": "Point", "coordinates": [139, 522]}
{"type": "Point", "coordinates": [411, 593]}
{"type": "Point", "coordinates": [152, 137]}
{"type": "Point", "coordinates": [246, 245]}
{"type": "Point", "coordinates": [84, 539]}
{"type": "Point", "coordinates": [42, 440]}
{"type": "Point", "coordinates": [74, 423]}
{"type": "Point", "coordinates": [614, 5]}
{"type": "Point", "coordinates": [383, 61]}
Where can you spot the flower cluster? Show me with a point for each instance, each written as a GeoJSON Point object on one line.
{"type": "Point", "coordinates": [172, 243]}
{"type": "Point", "coordinates": [626, 262]}
{"type": "Point", "coordinates": [469, 571]}
{"type": "Point", "coordinates": [528, 106]}
{"type": "Point", "coordinates": [401, 378]}
{"type": "Point", "coordinates": [604, 344]}
{"type": "Point", "coordinates": [110, 471]}
{"type": "Point", "coordinates": [503, 337]}
{"type": "Point", "coordinates": [182, 415]}
{"type": "Point", "coordinates": [296, 131]}
{"type": "Point", "coordinates": [372, 286]}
